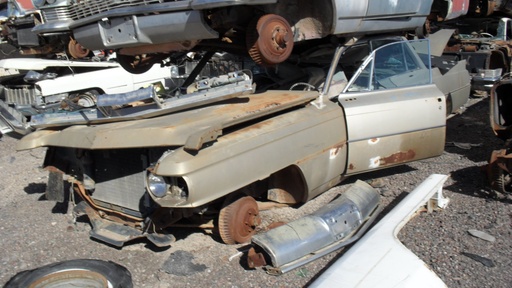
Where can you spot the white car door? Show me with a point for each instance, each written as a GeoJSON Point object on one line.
{"type": "Point", "coordinates": [394, 113]}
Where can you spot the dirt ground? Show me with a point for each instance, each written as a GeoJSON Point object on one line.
{"type": "Point", "coordinates": [36, 232]}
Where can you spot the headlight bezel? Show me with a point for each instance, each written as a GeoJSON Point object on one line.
{"type": "Point", "coordinates": [156, 185]}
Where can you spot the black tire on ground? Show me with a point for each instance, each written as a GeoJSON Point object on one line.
{"type": "Point", "coordinates": [74, 273]}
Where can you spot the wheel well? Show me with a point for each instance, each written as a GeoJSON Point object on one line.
{"type": "Point", "coordinates": [498, 59]}
{"type": "Point", "coordinates": [95, 90]}
{"type": "Point", "coordinates": [287, 186]}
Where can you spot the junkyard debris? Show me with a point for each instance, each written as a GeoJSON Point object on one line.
{"type": "Point", "coordinates": [485, 261]}
{"type": "Point", "coordinates": [482, 235]}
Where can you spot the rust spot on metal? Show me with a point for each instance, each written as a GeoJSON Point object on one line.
{"type": "Point", "coordinates": [255, 259]}
{"type": "Point", "coordinates": [53, 169]}
{"type": "Point", "coordinates": [336, 150]}
{"type": "Point", "coordinates": [454, 48]}
{"type": "Point", "coordinates": [470, 48]}
{"type": "Point", "coordinates": [338, 147]}
{"type": "Point", "coordinates": [256, 126]}
{"type": "Point", "coordinates": [264, 101]}
{"type": "Point", "coordinates": [351, 166]}
{"type": "Point", "coordinates": [399, 157]}
{"type": "Point", "coordinates": [80, 189]}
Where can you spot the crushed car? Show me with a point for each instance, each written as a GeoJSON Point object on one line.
{"type": "Point", "coordinates": [31, 86]}
{"type": "Point", "coordinates": [145, 32]}
{"type": "Point", "coordinates": [144, 163]}
{"type": "Point", "coordinates": [18, 39]}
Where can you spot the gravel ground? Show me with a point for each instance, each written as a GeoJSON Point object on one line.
{"type": "Point", "coordinates": [36, 232]}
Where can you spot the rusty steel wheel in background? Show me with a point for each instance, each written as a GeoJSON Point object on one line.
{"type": "Point", "coordinates": [499, 179]}
{"type": "Point", "coordinates": [76, 50]}
{"type": "Point", "coordinates": [270, 40]}
{"type": "Point", "coordinates": [238, 220]}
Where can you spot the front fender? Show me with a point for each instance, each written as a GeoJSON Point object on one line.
{"type": "Point", "coordinates": [305, 137]}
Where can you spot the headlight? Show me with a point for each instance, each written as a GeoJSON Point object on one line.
{"type": "Point", "coordinates": [38, 3]}
{"type": "Point", "coordinates": [157, 185]}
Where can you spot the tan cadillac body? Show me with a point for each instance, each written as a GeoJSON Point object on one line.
{"type": "Point", "coordinates": [206, 166]}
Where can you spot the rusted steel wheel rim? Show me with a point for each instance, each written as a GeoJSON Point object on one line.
{"type": "Point", "coordinates": [270, 40]}
{"type": "Point", "coordinates": [500, 180]}
{"type": "Point", "coordinates": [76, 50]}
{"type": "Point", "coordinates": [238, 220]}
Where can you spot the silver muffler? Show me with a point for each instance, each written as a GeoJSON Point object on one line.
{"type": "Point", "coordinates": [335, 225]}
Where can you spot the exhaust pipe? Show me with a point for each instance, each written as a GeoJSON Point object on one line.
{"type": "Point", "coordinates": [335, 225]}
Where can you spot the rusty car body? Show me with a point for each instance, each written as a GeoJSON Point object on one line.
{"type": "Point", "coordinates": [147, 31]}
{"type": "Point", "coordinates": [143, 170]}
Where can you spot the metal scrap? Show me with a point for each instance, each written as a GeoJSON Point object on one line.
{"type": "Point", "coordinates": [482, 235]}
{"type": "Point", "coordinates": [485, 261]}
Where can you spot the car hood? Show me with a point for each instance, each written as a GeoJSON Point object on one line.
{"type": "Point", "coordinates": [190, 128]}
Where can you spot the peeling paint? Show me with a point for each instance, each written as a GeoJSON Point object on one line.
{"type": "Point", "coordinates": [334, 152]}
{"type": "Point", "coordinates": [373, 141]}
{"type": "Point", "coordinates": [374, 162]}
{"type": "Point", "coordinates": [399, 157]}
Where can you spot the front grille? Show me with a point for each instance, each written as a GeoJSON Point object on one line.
{"type": "Point", "coordinates": [119, 179]}
{"type": "Point", "coordinates": [84, 9]}
{"type": "Point", "coordinates": [22, 95]}
{"type": "Point", "coordinates": [57, 14]}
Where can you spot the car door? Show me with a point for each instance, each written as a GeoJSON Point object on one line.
{"type": "Point", "coordinates": [393, 8]}
{"type": "Point", "coordinates": [394, 114]}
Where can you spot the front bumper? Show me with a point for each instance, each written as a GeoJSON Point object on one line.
{"type": "Point", "coordinates": [12, 122]}
{"type": "Point", "coordinates": [129, 31]}
{"type": "Point", "coordinates": [110, 25]}
{"type": "Point", "coordinates": [485, 79]}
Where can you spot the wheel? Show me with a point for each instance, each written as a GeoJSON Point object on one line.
{"type": "Point", "coordinates": [74, 273]}
{"type": "Point", "coordinates": [76, 50]}
{"type": "Point", "coordinates": [270, 40]}
{"type": "Point", "coordinates": [501, 181]}
{"type": "Point", "coordinates": [135, 64]}
{"type": "Point", "coordinates": [79, 101]}
{"type": "Point", "coordinates": [238, 220]}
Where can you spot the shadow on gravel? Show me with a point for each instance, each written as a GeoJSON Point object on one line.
{"type": "Point", "coordinates": [35, 188]}
{"type": "Point", "coordinates": [381, 173]}
{"type": "Point", "coordinates": [470, 135]}
{"type": "Point", "coordinates": [40, 188]}
{"type": "Point", "coordinates": [473, 130]}
{"type": "Point", "coordinates": [476, 178]}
